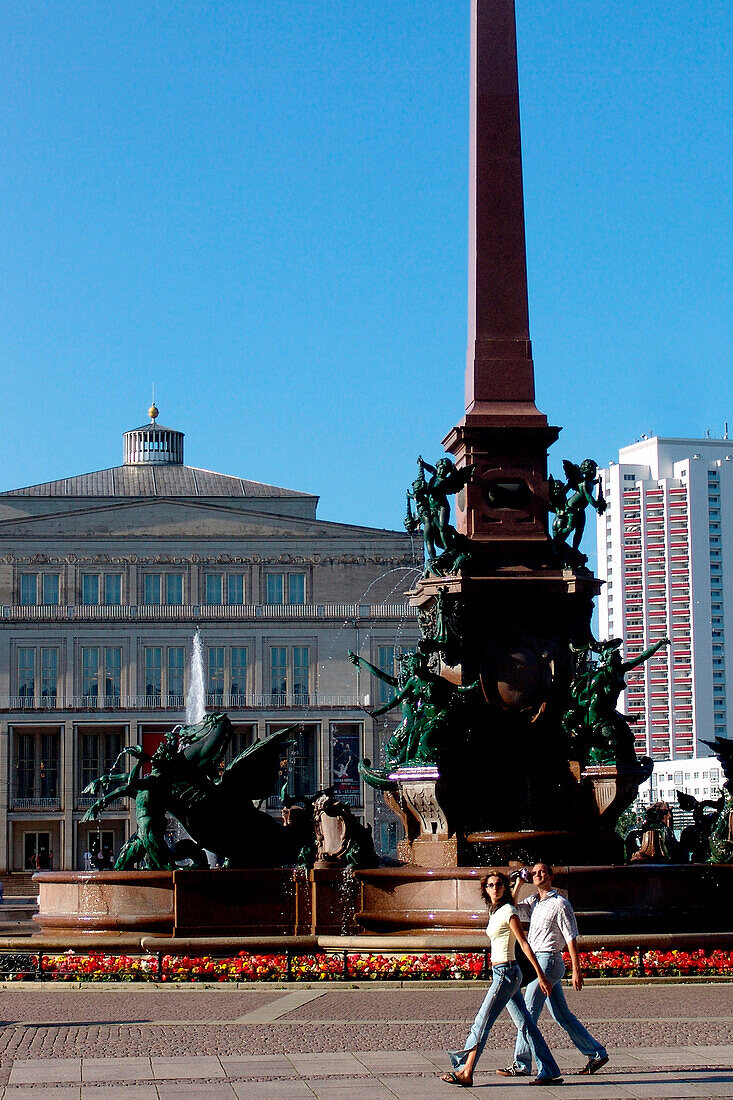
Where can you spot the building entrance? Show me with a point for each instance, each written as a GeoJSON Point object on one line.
{"type": "Point", "coordinates": [36, 851]}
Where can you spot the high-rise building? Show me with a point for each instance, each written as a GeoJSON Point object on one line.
{"type": "Point", "coordinates": [105, 577]}
{"type": "Point", "coordinates": [665, 546]}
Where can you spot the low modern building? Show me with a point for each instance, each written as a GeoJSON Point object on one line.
{"type": "Point", "coordinates": [702, 777]}
{"type": "Point", "coordinates": [664, 552]}
{"type": "Point", "coordinates": [104, 579]}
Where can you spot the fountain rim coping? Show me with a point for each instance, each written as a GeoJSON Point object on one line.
{"type": "Point", "coordinates": [166, 878]}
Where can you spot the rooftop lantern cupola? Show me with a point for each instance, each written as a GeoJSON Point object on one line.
{"type": "Point", "coordinates": [152, 444]}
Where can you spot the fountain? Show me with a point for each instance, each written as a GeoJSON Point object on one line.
{"type": "Point", "coordinates": [510, 747]}
{"type": "Point", "coordinates": [196, 695]}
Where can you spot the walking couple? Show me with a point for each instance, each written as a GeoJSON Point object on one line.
{"type": "Point", "coordinates": [552, 927]}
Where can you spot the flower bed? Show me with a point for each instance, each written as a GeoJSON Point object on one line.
{"type": "Point", "coordinates": [310, 968]}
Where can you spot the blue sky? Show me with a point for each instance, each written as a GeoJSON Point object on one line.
{"type": "Point", "coordinates": [261, 207]}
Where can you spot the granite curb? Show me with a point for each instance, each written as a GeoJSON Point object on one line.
{"type": "Point", "coordinates": [63, 986]}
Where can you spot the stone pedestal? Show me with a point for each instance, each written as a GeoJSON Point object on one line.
{"type": "Point", "coordinates": [612, 789]}
{"type": "Point", "coordinates": [420, 803]}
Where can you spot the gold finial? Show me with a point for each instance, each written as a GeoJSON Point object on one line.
{"type": "Point", "coordinates": [153, 413]}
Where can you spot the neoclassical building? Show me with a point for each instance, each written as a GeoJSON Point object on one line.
{"type": "Point", "coordinates": [104, 580]}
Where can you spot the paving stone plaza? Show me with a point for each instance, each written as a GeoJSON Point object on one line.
{"type": "Point", "coordinates": [376, 1041]}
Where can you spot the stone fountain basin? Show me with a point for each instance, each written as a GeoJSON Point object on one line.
{"type": "Point", "coordinates": [275, 900]}
{"type": "Point", "coordinates": [105, 901]}
{"type": "Point", "coordinates": [640, 898]}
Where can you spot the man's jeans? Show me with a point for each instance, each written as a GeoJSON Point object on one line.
{"type": "Point", "coordinates": [554, 968]}
{"type": "Point", "coordinates": [504, 991]}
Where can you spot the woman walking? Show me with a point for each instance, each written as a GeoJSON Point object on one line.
{"type": "Point", "coordinates": [504, 930]}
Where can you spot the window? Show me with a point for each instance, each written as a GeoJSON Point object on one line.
{"type": "Point", "coordinates": [112, 588]}
{"type": "Point", "coordinates": [176, 664]}
{"type": "Point", "coordinates": [389, 658]}
{"type": "Point", "coordinates": [300, 673]}
{"type": "Point", "coordinates": [300, 767]}
{"type": "Point", "coordinates": [34, 584]}
{"type": "Point", "coordinates": [215, 675]}
{"type": "Point", "coordinates": [97, 754]}
{"type": "Point", "coordinates": [28, 589]}
{"type": "Point", "coordinates": [101, 588]}
{"type": "Point", "coordinates": [36, 765]}
{"type": "Point", "coordinates": [151, 588]}
{"type": "Point", "coordinates": [279, 672]}
{"type": "Point", "coordinates": [30, 660]}
{"type": "Point", "coordinates": [162, 588]}
{"type": "Point", "coordinates": [224, 588]}
{"type": "Point", "coordinates": [90, 588]}
{"type": "Point", "coordinates": [164, 671]}
{"type": "Point", "coordinates": [49, 675]}
{"type": "Point", "coordinates": [153, 680]}
{"type": "Point", "coordinates": [238, 685]}
{"type": "Point", "coordinates": [174, 588]}
{"type": "Point", "coordinates": [26, 673]}
{"type": "Point", "coordinates": [226, 676]}
{"type": "Point", "coordinates": [285, 588]}
{"type": "Point", "coordinates": [235, 588]}
{"type": "Point", "coordinates": [49, 588]}
{"type": "Point", "coordinates": [290, 675]}
{"type": "Point", "coordinates": [101, 675]}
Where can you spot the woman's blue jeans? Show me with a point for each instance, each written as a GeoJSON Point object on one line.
{"type": "Point", "coordinates": [505, 991]}
{"type": "Point", "coordinates": [554, 968]}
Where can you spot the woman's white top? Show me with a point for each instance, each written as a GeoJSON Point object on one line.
{"type": "Point", "coordinates": [501, 936]}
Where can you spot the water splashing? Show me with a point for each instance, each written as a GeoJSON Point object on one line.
{"type": "Point", "coordinates": [196, 697]}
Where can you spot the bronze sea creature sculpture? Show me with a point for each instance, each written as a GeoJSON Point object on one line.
{"type": "Point", "coordinates": [214, 803]}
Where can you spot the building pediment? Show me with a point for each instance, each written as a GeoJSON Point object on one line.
{"type": "Point", "coordinates": [161, 518]}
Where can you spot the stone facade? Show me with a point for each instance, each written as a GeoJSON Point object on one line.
{"type": "Point", "coordinates": [104, 579]}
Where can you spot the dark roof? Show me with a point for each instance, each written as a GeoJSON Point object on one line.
{"type": "Point", "coordinates": [154, 481]}
{"type": "Point", "coordinates": [154, 427]}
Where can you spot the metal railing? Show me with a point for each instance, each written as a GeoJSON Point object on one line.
{"type": "Point", "coordinates": [84, 801]}
{"type": "Point", "coordinates": [223, 700]}
{"type": "Point", "coordinates": [188, 612]}
{"type": "Point", "coordinates": [45, 805]}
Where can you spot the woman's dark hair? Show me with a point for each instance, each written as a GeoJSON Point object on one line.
{"type": "Point", "coordinates": [504, 898]}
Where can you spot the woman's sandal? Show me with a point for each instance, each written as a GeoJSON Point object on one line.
{"type": "Point", "coordinates": [452, 1079]}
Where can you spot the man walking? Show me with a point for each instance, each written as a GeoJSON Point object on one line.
{"type": "Point", "coordinates": [552, 927]}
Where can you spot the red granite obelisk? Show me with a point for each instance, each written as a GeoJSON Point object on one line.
{"type": "Point", "coordinates": [516, 609]}
{"type": "Point", "coordinates": [503, 432]}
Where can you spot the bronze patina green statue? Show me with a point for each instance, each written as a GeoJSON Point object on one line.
{"type": "Point", "coordinates": [654, 840]}
{"type": "Point", "coordinates": [600, 734]}
{"type": "Point", "coordinates": [431, 699]}
{"type": "Point", "coordinates": [569, 501]}
{"type": "Point", "coordinates": [396, 747]}
{"type": "Point", "coordinates": [721, 835]}
{"type": "Point", "coordinates": [213, 803]}
{"type": "Point", "coordinates": [444, 549]}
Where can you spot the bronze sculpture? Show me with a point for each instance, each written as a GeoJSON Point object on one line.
{"type": "Point", "coordinates": [695, 838]}
{"type": "Point", "coordinates": [654, 840]}
{"type": "Point", "coordinates": [445, 551]}
{"type": "Point", "coordinates": [569, 501]}
{"type": "Point", "coordinates": [430, 699]}
{"type": "Point", "coordinates": [721, 834]}
{"type": "Point", "coordinates": [213, 803]}
{"type": "Point", "coordinates": [601, 735]}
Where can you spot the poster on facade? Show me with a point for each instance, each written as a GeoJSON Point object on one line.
{"type": "Point", "coordinates": [345, 775]}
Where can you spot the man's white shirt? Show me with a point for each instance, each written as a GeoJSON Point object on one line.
{"type": "Point", "coordinates": [551, 921]}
